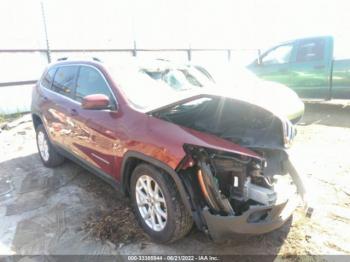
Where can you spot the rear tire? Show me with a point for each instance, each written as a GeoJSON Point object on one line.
{"type": "Point", "coordinates": [48, 154]}
{"type": "Point", "coordinates": [161, 198]}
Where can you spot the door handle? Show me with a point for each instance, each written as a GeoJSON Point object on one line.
{"type": "Point", "coordinates": [73, 112]}
{"type": "Point", "coordinates": [318, 66]}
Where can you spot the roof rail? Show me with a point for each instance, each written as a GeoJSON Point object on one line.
{"type": "Point", "coordinates": [92, 58]}
{"type": "Point", "coordinates": [163, 59]}
{"type": "Point", "coordinates": [96, 59]}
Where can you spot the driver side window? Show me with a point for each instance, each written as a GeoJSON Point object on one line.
{"type": "Point", "coordinates": [90, 82]}
{"type": "Point", "coordinates": [279, 55]}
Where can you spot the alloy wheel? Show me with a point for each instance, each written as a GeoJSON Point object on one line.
{"type": "Point", "coordinates": [151, 203]}
{"type": "Point", "coordinates": [43, 146]}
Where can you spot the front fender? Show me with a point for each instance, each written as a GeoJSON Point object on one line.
{"type": "Point", "coordinates": [137, 156]}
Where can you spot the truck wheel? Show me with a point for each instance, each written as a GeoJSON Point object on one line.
{"type": "Point", "coordinates": [48, 154]}
{"type": "Point", "coordinates": [158, 205]}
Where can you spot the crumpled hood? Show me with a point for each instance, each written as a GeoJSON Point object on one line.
{"type": "Point", "coordinates": [274, 97]}
{"type": "Point", "coordinates": [279, 101]}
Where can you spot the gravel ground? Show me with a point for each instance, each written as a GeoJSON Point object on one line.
{"type": "Point", "coordinates": [67, 210]}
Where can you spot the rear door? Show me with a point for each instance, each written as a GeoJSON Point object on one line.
{"type": "Point", "coordinates": [95, 139]}
{"type": "Point", "coordinates": [57, 95]}
{"type": "Point", "coordinates": [311, 68]}
{"type": "Point", "coordinates": [275, 64]}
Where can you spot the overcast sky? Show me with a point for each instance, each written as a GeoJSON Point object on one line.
{"type": "Point", "coordinates": [169, 23]}
{"type": "Point", "coordinates": [84, 24]}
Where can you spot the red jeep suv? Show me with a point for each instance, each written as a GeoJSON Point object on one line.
{"type": "Point", "coordinates": [182, 152]}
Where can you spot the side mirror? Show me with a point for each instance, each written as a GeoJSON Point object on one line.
{"type": "Point", "coordinates": [95, 102]}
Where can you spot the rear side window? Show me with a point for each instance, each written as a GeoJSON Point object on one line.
{"type": "Point", "coordinates": [47, 79]}
{"type": "Point", "coordinates": [65, 79]}
{"type": "Point", "coordinates": [310, 50]}
{"type": "Point", "coordinates": [90, 81]}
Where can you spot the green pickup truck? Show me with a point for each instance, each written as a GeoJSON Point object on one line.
{"type": "Point", "coordinates": [307, 66]}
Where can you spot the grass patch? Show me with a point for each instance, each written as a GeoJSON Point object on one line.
{"type": "Point", "coordinates": [9, 118]}
{"type": "Point", "coordinates": [2, 118]}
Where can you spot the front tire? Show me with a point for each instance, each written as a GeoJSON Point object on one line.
{"type": "Point", "coordinates": [158, 205]}
{"type": "Point", "coordinates": [48, 154]}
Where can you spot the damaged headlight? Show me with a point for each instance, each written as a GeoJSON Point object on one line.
{"type": "Point", "coordinates": [230, 183]}
{"type": "Point", "coordinates": [289, 132]}
{"type": "Point", "coordinates": [227, 181]}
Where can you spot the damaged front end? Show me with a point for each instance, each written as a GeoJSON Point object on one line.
{"type": "Point", "coordinates": [235, 192]}
{"type": "Point", "coordinates": [235, 195]}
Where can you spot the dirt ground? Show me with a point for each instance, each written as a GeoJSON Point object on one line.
{"type": "Point", "coordinates": [67, 210]}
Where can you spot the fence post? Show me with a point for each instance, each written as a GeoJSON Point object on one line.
{"type": "Point", "coordinates": [229, 55]}
{"type": "Point", "coordinates": [48, 52]}
{"type": "Point", "coordinates": [134, 50]}
{"type": "Point", "coordinates": [259, 56]}
{"type": "Point", "coordinates": [189, 54]}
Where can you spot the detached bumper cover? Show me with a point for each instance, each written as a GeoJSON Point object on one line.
{"type": "Point", "coordinates": [221, 227]}
{"type": "Point", "coordinates": [273, 217]}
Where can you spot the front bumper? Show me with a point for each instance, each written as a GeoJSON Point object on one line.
{"type": "Point", "coordinates": [272, 217]}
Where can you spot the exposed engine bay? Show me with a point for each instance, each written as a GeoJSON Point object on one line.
{"type": "Point", "coordinates": [230, 184]}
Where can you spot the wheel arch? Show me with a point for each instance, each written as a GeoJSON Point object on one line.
{"type": "Point", "coordinates": [132, 159]}
{"type": "Point", "coordinates": [36, 120]}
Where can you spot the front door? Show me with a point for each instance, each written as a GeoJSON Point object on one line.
{"type": "Point", "coordinates": [275, 64]}
{"type": "Point", "coordinates": [311, 69]}
{"type": "Point", "coordinates": [94, 140]}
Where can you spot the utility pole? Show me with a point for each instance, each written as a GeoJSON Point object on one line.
{"type": "Point", "coordinates": [48, 51]}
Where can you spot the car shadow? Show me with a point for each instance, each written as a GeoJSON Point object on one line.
{"type": "Point", "coordinates": [328, 114]}
{"type": "Point", "coordinates": [267, 244]}
{"type": "Point", "coordinates": [48, 207]}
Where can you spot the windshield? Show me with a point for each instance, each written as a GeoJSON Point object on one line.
{"type": "Point", "coordinates": [147, 88]}
{"type": "Point", "coordinates": [179, 78]}
{"type": "Point", "coordinates": [142, 91]}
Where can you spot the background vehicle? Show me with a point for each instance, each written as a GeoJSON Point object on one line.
{"type": "Point", "coordinates": [240, 84]}
{"type": "Point", "coordinates": [308, 67]}
{"type": "Point", "coordinates": [182, 157]}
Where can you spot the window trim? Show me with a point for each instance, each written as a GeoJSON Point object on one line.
{"type": "Point", "coordinates": [56, 67]}
{"type": "Point", "coordinates": [44, 75]}
{"type": "Point", "coordinates": [273, 49]}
